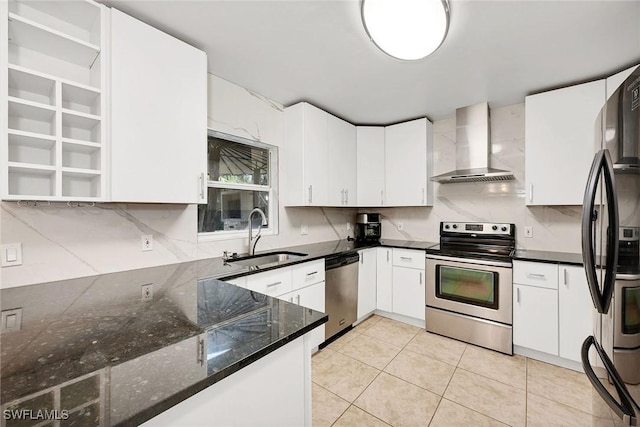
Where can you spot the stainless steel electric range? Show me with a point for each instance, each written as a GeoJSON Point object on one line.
{"type": "Point", "coordinates": [469, 283]}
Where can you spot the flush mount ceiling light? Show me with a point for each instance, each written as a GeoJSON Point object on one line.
{"type": "Point", "coordinates": [406, 29]}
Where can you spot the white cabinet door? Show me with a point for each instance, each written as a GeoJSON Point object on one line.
{"type": "Point", "coordinates": [407, 158]}
{"type": "Point", "coordinates": [305, 156]}
{"type": "Point", "coordinates": [575, 310]}
{"type": "Point", "coordinates": [384, 293]}
{"type": "Point", "coordinates": [370, 165]}
{"type": "Point", "coordinates": [341, 167]}
{"type": "Point", "coordinates": [535, 318]}
{"type": "Point", "coordinates": [158, 141]}
{"type": "Point", "coordinates": [312, 297]}
{"type": "Point", "coordinates": [367, 283]}
{"type": "Point", "coordinates": [560, 131]}
{"type": "Point", "coordinates": [409, 292]}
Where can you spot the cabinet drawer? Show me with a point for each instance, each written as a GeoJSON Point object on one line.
{"type": "Point", "coordinates": [307, 274]}
{"type": "Point", "coordinates": [238, 281]}
{"type": "Point", "coordinates": [273, 283]}
{"type": "Point", "coordinates": [538, 274]}
{"type": "Point", "coordinates": [408, 258]}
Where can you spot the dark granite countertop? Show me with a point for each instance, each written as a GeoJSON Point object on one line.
{"type": "Point", "coordinates": [548, 257]}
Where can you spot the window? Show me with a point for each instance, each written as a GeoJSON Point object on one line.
{"type": "Point", "coordinates": [242, 175]}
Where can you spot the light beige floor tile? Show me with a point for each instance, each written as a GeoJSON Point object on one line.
{"type": "Point", "coordinates": [542, 412]}
{"type": "Point", "coordinates": [441, 348]}
{"type": "Point", "coordinates": [356, 417]}
{"type": "Point", "coordinates": [326, 407]}
{"type": "Point", "coordinates": [343, 340]}
{"type": "Point", "coordinates": [421, 370]}
{"type": "Point", "coordinates": [450, 414]}
{"type": "Point", "coordinates": [344, 376]}
{"type": "Point", "coordinates": [510, 370]}
{"type": "Point", "coordinates": [489, 397]}
{"type": "Point", "coordinates": [367, 323]}
{"type": "Point", "coordinates": [398, 402]}
{"type": "Point", "coordinates": [564, 386]}
{"type": "Point", "coordinates": [321, 355]}
{"type": "Point", "coordinates": [392, 332]}
{"type": "Point", "coordinates": [370, 351]}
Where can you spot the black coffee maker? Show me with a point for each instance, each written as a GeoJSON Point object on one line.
{"type": "Point", "coordinates": [368, 227]}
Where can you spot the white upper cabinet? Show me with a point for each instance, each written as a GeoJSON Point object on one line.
{"type": "Point", "coordinates": [52, 93]}
{"type": "Point", "coordinates": [370, 165]}
{"type": "Point", "coordinates": [305, 156]}
{"type": "Point", "coordinates": [560, 135]}
{"type": "Point", "coordinates": [341, 168]}
{"type": "Point", "coordinates": [408, 164]}
{"type": "Point", "coordinates": [158, 115]}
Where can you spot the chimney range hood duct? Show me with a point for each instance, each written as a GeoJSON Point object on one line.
{"type": "Point", "coordinates": [472, 148]}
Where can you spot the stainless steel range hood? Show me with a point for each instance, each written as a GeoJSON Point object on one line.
{"type": "Point", "coordinates": [473, 149]}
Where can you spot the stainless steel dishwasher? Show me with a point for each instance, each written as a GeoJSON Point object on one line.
{"type": "Point", "coordinates": [341, 291]}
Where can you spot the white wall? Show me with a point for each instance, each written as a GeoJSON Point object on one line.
{"type": "Point", "coordinates": [555, 228]}
{"type": "Point", "coordinates": [61, 242]}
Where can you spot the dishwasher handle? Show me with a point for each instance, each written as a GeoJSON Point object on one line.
{"type": "Point", "coordinates": [340, 260]}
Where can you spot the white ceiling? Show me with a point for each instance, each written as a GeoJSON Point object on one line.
{"type": "Point", "coordinates": [318, 51]}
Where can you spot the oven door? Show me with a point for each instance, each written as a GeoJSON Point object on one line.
{"type": "Point", "coordinates": [476, 288]}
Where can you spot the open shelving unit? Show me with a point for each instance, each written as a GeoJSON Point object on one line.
{"type": "Point", "coordinates": [52, 82]}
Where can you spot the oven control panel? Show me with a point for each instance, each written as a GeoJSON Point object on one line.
{"type": "Point", "coordinates": [477, 228]}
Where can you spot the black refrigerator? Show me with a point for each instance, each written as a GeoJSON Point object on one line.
{"type": "Point", "coordinates": [611, 252]}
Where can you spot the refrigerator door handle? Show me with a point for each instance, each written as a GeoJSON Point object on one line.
{"type": "Point", "coordinates": [601, 163]}
{"type": "Point", "coordinates": [627, 409]}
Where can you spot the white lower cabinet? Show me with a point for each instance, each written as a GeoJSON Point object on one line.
{"type": "Point", "coordinates": [535, 318]}
{"type": "Point", "coordinates": [552, 308]}
{"type": "Point", "coordinates": [384, 293]}
{"type": "Point", "coordinates": [312, 297]}
{"type": "Point", "coordinates": [274, 283]}
{"type": "Point", "coordinates": [408, 292]}
{"type": "Point", "coordinates": [367, 283]}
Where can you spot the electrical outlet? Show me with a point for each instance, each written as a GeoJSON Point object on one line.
{"type": "Point", "coordinates": [400, 226]}
{"type": "Point", "coordinates": [11, 254]}
{"type": "Point", "coordinates": [528, 232]}
{"type": "Point", "coordinates": [11, 320]}
{"type": "Point", "coordinates": [304, 230]}
{"type": "Point", "coordinates": [348, 226]}
{"type": "Point", "coordinates": [147, 242]}
{"type": "Point", "coordinates": [147, 292]}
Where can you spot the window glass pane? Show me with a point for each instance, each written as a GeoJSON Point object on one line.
{"type": "Point", "coordinates": [229, 209]}
{"type": "Point", "coordinates": [465, 285]}
{"type": "Point", "coordinates": [234, 162]}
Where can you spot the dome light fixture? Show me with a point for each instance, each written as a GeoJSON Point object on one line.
{"type": "Point", "coordinates": [406, 29]}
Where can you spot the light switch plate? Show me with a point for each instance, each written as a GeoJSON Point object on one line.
{"type": "Point", "coordinates": [11, 254]}
{"type": "Point", "coordinates": [304, 230]}
{"type": "Point", "coordinates": [147, 242]}
{"type": "Point", "coordinates": [11, 320]}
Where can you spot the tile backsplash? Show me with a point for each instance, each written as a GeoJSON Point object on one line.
{"type": "Point", "coordinates": [62, 242]}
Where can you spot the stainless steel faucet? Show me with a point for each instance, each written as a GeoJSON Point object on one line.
{"type": "Point", "coordinates": [252, 248]}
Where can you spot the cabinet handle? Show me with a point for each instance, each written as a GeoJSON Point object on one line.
{"type": "Point", "coordinates": [387, 256]}
{"type": "Point", "coordinates": [362, 259]}
{"type": "Point", "coordinates": [406, 258]}
{"type": "Point", "coordinates": [291, 300]}
{"type": "Point", "coordinates": [202, 186]}
{"type": "Point", "coordinates": [518, 295]}
{"type": "Point", "coordinates": [298, 296]}
{"type": "Point", "coordinates": [312, 273]}
{"type": "Point", "coordinates": [342, 197]}
{"type": "Point", "coordinates": [421, 277]}
{"type": "Point", "coordinates": [274, 284]}
{"type": "Point", "coordinates": [537, 276]}
{"type": "Point", "coordinates": [382, 197]}
{"type": "Point", "coordinates": [423, 196]}
{"type": "Point", "coordinates": [565, 277]}
{"type": "Point", "coordinates": [310, 193]}
{"type": "Point", "coordinates": [346, 196]}
{"type": "Point", "coordinates": [530, 193]}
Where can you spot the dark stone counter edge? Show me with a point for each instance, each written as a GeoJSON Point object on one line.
{"type": "Point", "coordinates": [184, 394]}
{"type": "Point", "coordinates": [547, 260]}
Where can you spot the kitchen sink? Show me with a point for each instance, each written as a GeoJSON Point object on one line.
{"type": "Point", "coordinates": [268, 258]}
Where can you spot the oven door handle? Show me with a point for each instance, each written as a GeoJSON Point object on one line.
{"type": "Point", "coordinates": [601, 163]}
{"type": "Point", "coordinates": [469, 261]}
{"type": "Point", "coordinates": [627, 409]}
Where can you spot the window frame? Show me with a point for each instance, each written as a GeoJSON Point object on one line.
{"type": "Point", "coordinates": [272, 188]}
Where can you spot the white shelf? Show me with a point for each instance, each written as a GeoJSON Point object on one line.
{"type": "Point", "coordinates": [80, 157]}
{"type": "Point", "coordinates": [77, 142]}
{"type": "Point", "coordinates": [31, 180]}
{"type": "Point", "coordinates": [26, 148]}
{"type": "Point", "coordinates": [80, 99]}
{"type": "Point", "coordinates": [53, 77]}
{"type": "Point", "coordinates": [31, 87]}
{"type": "Point", "coordinates": [80, 126]}
{"type": "Point", "coordinates": [80, 183]}
{"type": "Point", "coordinates": [33, 36]}
{"type": "Point", "coordinates": [31, 116]}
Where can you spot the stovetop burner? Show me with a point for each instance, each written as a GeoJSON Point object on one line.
{"type": "Point", "coordinates": [490, 241]}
